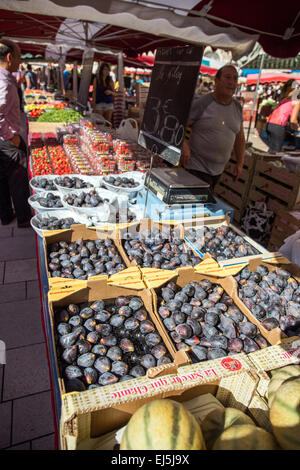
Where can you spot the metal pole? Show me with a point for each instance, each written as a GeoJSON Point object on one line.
{"type": "Point", "coordinates": [256, 93]}
{"type": "Point", "coordinates": [75, 85]}
{"type": "Point", "coordinates": [150, 170]}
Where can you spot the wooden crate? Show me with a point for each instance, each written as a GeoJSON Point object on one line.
{"type": "Point", "coordinates": [278, 182]}
{"type": "Point", "coordinates": [272, 203]}
{"type": "Point", "coordinates": [142, 91]}
{"type": "Point", "coordinates": [232, 198]}
{"type": "Point", "coordinates": [285, 224]}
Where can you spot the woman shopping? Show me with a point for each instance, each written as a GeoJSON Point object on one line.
{"type": "Point", "coordinates": [103, 92]}
{"type": "Point", "coordinates": [283, 116]}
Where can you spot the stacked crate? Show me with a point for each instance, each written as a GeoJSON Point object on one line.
{"type": "Point", "coordinates": [285, 224]}
{"type": "Point", "coordinates": [274, 184]}
{"type": "Point", "coordinates": [235, 193]}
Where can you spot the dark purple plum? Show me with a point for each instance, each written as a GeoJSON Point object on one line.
{"type": "Point", "coordinates": [107, 379]}
{"type": "Point", "coordinates": [119, 368]}
{"type": "Point", "coordinates": [214, 353]}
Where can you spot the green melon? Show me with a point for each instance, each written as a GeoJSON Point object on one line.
{"type": "Point", "coordinates": [219, 420]}
{"type": "Point", "coordinates": [279, 376]}
{"type": "Point", "coordinates": [162, 425]}
{"type": "Point", "coordinates": [245, 437]}
{"type": "Point", "coordinates": [285, 414]}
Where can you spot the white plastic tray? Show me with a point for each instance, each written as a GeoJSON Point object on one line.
{"type": "Point", "coordinates": [41, 190]}
{"type": "Point", "coordinates": [37, 207]}
{"type": "Point", "coordinates": [95, 181]}
{"type": "Point", "coordinates": [102, 211]}
{"type": "Point", "coordinates": [60, 214]}
{"type": "Point", "coordinates": [138, 176]}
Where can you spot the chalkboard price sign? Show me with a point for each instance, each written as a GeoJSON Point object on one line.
{"type": "Point", "coordinates": [172, 87]}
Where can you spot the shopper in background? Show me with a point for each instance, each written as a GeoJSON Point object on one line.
{"type": "Point", "coordinates": [103, 93]}
{"type": "Point", "coordinates": [14, 183]}
{"type": "Point", "coordinates": [284, 117]}
{"type": "Point", "coordinates": [30, 78]}
{"type": "Point", "coordinates": [216, 122]}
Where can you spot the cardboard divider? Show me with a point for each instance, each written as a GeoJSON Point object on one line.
{"type": "Point", "coordinates": [71, 235]}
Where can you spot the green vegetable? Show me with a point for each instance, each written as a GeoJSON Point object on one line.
{"type": "Point", "coordinates": [60, 115]}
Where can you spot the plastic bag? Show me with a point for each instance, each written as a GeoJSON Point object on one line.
{"type": "Point", "coordinates": [128, 130]}
{"type": "Point", "coordinates": [257, 222]}
{"type": "Point", "coordinates": [291, 248]}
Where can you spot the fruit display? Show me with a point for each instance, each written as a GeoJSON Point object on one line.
{"type": "Point", "coordinates": [49, 201]}
{"type": "Point", "coordinates": [82, 259]}
{"type": "Point", "coordinates": [85, 199]}
{"type": "Point", "coordinates": [203, 320]}
{"type": "Point", "coordinates": [53, 223]}
{"type": "Point", "coordinates": [45, 184]}
{"type": "Point", "coordinates": [103, 342]}
{"type": "Point", "coordinates": [279, 376]}
{"type": "Point", "coordinates": [161, 249]}
{"type": "Point", "coordinates": [121, 182]}
{"type": "Point", "coordinates": [72, 182]}
{"type": "Point", "coordinates": [245, 437]}
{"type": "Point", "coordinates": [60, 162]}
{"type": "Point", "coordinates": [220, 242]}
{"type": "Point", "coordinates": [59, 115]}
{"type": "Point", "coordinates": [273, 297]}
{"type": "Point", "coordinates": [162, 425]}
{"type": "Point", "coordinates": [218, 420]}
{"type": "Point", "coordinates": [40, 162]}
{"type": "Point", "coordinates": [285, 414]}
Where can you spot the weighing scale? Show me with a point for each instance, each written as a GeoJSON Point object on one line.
{"type": "Point", "coordinates": [177, 186]}
{"type": "Point", "coordinates": [163, 188]}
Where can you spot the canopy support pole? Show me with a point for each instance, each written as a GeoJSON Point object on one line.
{"type": "Point", "coordinates": [86, 75]}
{"type": "Point", "coordinates": [255, 96]}
{"type": "Point", "coordinates": [75, 85]}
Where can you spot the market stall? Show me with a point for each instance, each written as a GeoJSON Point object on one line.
{"type": "Point", "coordinates": [177, 302]}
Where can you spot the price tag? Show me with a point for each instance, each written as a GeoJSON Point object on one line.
{"type": "Point", "coordinates": [170, 95]}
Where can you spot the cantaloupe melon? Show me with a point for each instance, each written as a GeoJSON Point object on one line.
{"type": "Point", "coordinates": [245, 437]}
{"type": "Point", "coordinates": [285, 414]}
{"type": "Point", "coordinates": [162, 425]}
{"type": "Point", "coordinates": [279, 376]}
{"type": "Point", "coordinates": [219, 420]}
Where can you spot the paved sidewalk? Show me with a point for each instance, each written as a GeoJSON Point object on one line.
{"type": "Point", "coordinates": [26, 415]}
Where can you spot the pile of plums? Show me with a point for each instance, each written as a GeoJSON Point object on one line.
{"type": "Point", "coordinates": [204, 321]}
{"type": "Point", "coordinates": [101, 343]}
{"type": "Point", "coordinates": [272, 297]}
{"type": "Point", "coordinates": [44, 183]}
{"type": "Point", "coordinates": [220, 242]}
{"type": "Point", "coordinates": [88, 199]}
{"type": "Point", "coordinates": [163, 249]}
{"type": "Point", "coordinates": [121, 181]}
{"type": "Point", "coordinates": [49, 201]}
{"type": "Point", "coordinates": [82, 259]}
{"type": "Point", "coordinates": [54, 223]}
{"type": "Point", "coordinates": [73, 182]}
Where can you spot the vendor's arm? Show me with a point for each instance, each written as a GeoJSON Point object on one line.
{"type": "Point", "coordinates": [27, 80]}
{"type": "Point", "coordinates": [294, 115]}
{"type": "Point", "coordinates": [186, 151]}
{"type": "Point", "coordinates": [239, 150]}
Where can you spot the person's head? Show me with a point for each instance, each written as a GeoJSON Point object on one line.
{"type": "Point", "coordinates": [103, 74]}
{"type": "Point", "coordinates": [10, 55]}
{"type": "Point", "coordinates": [29, 68]}
{"type": "Point", "coordinates": [226, 80]}
{"type": "Point", "coordinates": [289, 89]}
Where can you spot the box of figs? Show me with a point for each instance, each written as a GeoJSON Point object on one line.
{"type": "Point", "coordinates": [156, 245]}
{"type": "Point", "coordinates": [103, 334]}
{"type": "Point", "coordinates": [217, 238]}
{"type": "Point", "coordinates": [270, 293]}
{"type": "Point", "coordinates": [80, 253]}
{"type": "Point", "coordinates": [204, 317]}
